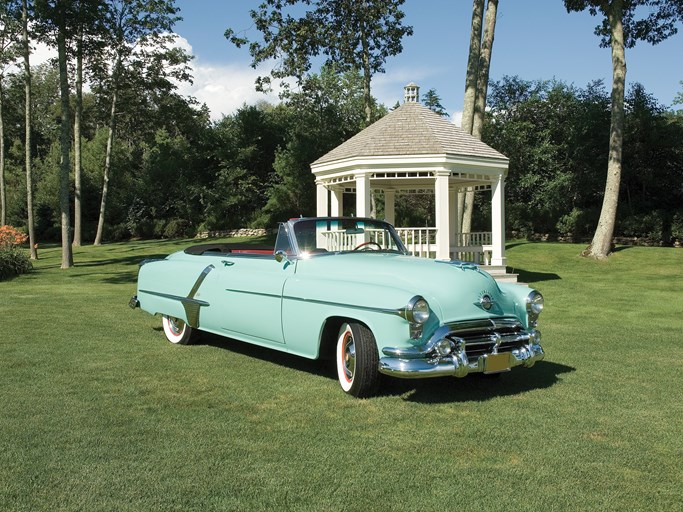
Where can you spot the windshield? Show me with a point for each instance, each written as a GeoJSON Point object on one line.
{"type": "Point", "coordinates": [320, 236]}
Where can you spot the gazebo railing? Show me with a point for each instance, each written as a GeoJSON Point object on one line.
{"type": "Point", "coordinates": [419, 241]}
{"type": "Point", "coordinates": [475, 247]}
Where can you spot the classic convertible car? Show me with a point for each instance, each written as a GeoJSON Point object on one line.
{"type": "Point", "coordinates": [346, 288]}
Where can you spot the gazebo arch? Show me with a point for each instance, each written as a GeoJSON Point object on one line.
{"type": "Point", "coordinates": [414, 149]}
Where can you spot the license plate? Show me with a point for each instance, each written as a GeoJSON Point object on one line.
{"type": "Point", "coordinates": [494, 363]}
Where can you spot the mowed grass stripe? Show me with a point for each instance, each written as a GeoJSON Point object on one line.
{"type": "Point", "coordinates": [99, 412]}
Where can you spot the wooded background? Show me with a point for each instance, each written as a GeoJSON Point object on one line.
{"type": "Point", "coordinates": [167, 170]}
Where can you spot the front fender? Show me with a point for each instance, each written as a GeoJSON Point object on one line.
{"type": "Point", "coordinates": [308, 303]}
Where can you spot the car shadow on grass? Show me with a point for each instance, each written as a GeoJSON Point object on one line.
{"type": "Point", "coordinates": [320, 367]}
{"type": "Point", "coordinates": [528, 276]}
{"type": "Point", "coordinates": [473, 388]}
{"type": "Point", "coordinates": [477, 387]}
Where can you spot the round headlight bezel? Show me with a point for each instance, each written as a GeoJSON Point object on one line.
{"type": "Point", "coordinates": [534, 306]}
{"type": "Point", "coordinates": [417, 311]}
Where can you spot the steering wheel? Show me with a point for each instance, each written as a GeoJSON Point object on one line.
{"type": "Point", "coordinates": [365, 244]}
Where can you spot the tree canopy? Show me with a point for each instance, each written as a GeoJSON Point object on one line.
{"type": "Point", "coordinates": [350, 34]}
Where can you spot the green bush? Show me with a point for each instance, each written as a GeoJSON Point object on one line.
{"type": "Point", "coordinates": [178, 228]}
{"type": "Point", "coordinates": [677, 226]}
{"type": "Point", "coordinates": [578, 223]}
{"type": "Point", "coordinates": [116, 233]}
{"type": "Point", "coordinates": [159, 227]}
{"type": "Point", "coordinates": [13, 261]}
{"type": "Point", "coordinates": [649, 225]}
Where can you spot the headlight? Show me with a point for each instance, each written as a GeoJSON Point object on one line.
{"type": "Point", "coordinates": [417, 310]}
{"type": "Point", "coordinates": [534, 306]}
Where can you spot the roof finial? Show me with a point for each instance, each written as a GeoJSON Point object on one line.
{"type": "Point", "coordinates": [411, 93]}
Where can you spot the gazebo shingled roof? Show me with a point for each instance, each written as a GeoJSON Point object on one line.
{"type": "Point", "coordinates": [411, 129]}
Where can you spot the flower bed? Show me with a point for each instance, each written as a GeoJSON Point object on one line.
{"type": "Point", "coordinates": [13, 259]}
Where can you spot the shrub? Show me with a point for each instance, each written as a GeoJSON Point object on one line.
{"type": "Point", "coordinates": [178, 228]}
{"type": "Point", "coordinates": [159, 227]}
{"type": "Point", "coordinates": [649, 225]}
{"type": "Point", "coordinates": [13, 261]}
{"type": "Point", "coordinates": [578, 223]}
{"type": "Point", "coordinates": [11, 237]}
{"type": "Point", "coordinates": [677, 226]}
{"type": "Point", "coordinates": [116, 233]}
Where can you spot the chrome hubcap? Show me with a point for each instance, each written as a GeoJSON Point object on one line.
{"type": "Point", "coordinates": [349, 357]}
{"type": "Point", "coordinates": [176, 325]}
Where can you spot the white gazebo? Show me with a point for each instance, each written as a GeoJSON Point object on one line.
{"type": "Point", "coordinates": [412, 149]}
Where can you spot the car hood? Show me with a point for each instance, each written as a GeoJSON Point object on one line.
{"type": "Point", "coordinates": [453, 289]}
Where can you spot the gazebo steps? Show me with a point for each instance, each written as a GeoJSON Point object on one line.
{"type": "Point", "coordinates": [499, 273]}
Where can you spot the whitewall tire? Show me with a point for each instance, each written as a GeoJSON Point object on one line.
{"type": "Point", "coordinates": [357, 360]}
{"type": "Point", "coordinates": [177, 331]}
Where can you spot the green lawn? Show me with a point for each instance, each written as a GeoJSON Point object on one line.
{"type": "Point", "coordinates": [99, 412]}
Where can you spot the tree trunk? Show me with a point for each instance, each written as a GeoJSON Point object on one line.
{"type": "Point", "coordinates": [367, 98]}
{"type": "Point", "coordinates": [107, 167]}
{"type": "Point", "coordinates": [471, 84]}
{"type": "Point", "coordinates": [27, 134]}
{"type": "Point", "coordinates": [484, 66]}
{"type": "Point", "coordinates": [472, 66]}
{"type": "Point", "coordinates": [65, 146]}
{"type": "Point", "coordinates": [77, 141]}
{"type": "Point", "coordinates": [3, 196]}
{"type": "Point", "coordinates": [480, 103]}
{"type": "Point", "coordinates": [601, 245]}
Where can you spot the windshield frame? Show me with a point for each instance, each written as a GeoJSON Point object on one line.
{"type": "Point", "coordinates": [289, 229]}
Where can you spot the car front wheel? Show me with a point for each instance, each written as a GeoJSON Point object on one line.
{"type": "Point", "coordinates": [177, 331]}
{"type": "Point", "coordinates": [357, 360]}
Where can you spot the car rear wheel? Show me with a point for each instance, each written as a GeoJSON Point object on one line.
{"type": "Point", "coordinates": [177, 331]}
{"type": "Point", "coordinates": [357, 360]}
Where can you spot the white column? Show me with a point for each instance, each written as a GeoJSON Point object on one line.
{"type": "Point", "coordinates": [363, 194]}
{"type": "Point", "coordinates": [321, 200]}
{"type": "Point", "coordinates": [454, 219]}
{"type": "Point", "coordinates": [442, 215]}
{"type": "Point", "coordinates": [498, 222]}
{"type": "Point", "coordinates": [390, 206]}
{"type": "Point", "coordinates": [337, 202]}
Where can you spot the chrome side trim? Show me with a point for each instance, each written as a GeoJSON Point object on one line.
{"type": "Point", "coordinates": [176, 297]}
{"type": "Point", "coordinates": [190, 304]}
{"type": "Point", "coordinates": [343, 305]}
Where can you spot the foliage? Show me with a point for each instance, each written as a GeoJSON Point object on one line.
{"type": "Point", "coordinates": [326, 112]}
{"type": "Point", "coordinates": [659, 24]}
{"type": "Point", "coordinates": [432, 101]}
{"type": "Point", "coordinates": [11, 237]}
{"type": "Point", "coordinates": [13, 260]}
{"type": "Point", "coordinates": [352, 35]}
{"type": "Point", "coordinates": [555, 135]}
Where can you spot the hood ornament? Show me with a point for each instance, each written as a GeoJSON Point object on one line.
{"type": "Point", "coordinates": [486, 302]}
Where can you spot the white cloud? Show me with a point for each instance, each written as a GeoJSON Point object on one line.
{"type": "Point", "coordinates": [41, 53]}
{"type": "Point", "coordinates": [222, 87]}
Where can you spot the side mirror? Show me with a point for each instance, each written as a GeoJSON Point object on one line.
{"type": "Point", "coordinates": [280, 256]}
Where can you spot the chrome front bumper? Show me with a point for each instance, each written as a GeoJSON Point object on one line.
{"type": "Point", "coordinates": [446, 355]}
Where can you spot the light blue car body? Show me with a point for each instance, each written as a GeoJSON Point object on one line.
{"type": "Point", "coordinates": [295, 300]}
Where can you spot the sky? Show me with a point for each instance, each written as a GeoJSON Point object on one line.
{"type": "Point", "coordinates": [534, 39]}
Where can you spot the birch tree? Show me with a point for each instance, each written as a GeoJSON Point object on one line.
{"type": "Point", "coordinates": [476, 86]}
{"type": "Point", "coordinates": [26, 51]}
{"type": "Point", "coordinates": [10, 30]}
{"type": "Point", "coordinates": [141, 54]}
{"type": "Point", "coordinates": [621, 28]}
{"type": "Point", "coordinates": [54, 21]}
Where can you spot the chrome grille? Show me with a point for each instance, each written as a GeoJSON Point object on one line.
{"type": "Point", "coordinates": [481, 336]}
